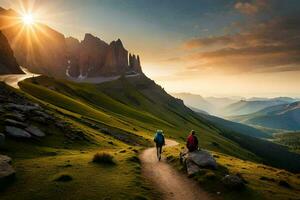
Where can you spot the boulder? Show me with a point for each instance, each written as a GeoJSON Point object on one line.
{"type": "Point", "coordinates": [39, 119]}
{"type": "Point", "coordinates": [16, 132]}
{"type": "Point", "coordinates": [4, 158]}
{"type": "Point", "coordinates": [22, 108]}
{"type": "Point", "coordinates": [233, 182]}
{"type": "Point", "coordinates": [15, 123]}
{"type": "Point", "coordinates": [6, 170]}
{"type": "Point", "coordinates": [43, 115]}
{"type": "Point", "coordinates": [15, 116]}
{"type": "Point", "coordinates": [191, 167]}
{"type": "Point", "coordinates": [2, 139]}
{"type": "Point", "coordinates": [201, 158]}
{"type": "Point", "coordinates": [35, 131]}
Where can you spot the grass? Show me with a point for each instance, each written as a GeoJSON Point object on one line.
{"type": "Point", "coordinates": [263, 182]}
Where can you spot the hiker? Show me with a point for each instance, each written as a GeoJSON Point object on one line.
{"type": "Point", "coordinates": [192, 142]}
{"type": "Point", "coordinates": [159, 140]}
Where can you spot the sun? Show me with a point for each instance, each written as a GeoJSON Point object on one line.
{"type": "Point", "coordinates": [28, 19]}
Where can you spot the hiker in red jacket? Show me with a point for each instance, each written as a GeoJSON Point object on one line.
{"type": "Point", "coordinates": [192, 142]}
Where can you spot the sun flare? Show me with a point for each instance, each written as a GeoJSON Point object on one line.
{"type": "Point", "coordinates": [28, 19]}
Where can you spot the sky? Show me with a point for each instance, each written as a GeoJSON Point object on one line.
{"type": "Point", "coordinates": [207, 47]}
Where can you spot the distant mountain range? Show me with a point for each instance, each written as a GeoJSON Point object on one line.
{"type": "Point", "coordinates": [48, 52]}
{"type": "Point", "coordinates": [244, 107]}
{"type": "Point", "coordinates": [283, 116]}
{"type": "Point", "coordinates": [212, 105]}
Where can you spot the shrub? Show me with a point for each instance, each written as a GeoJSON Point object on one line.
{"type": "Point", "coordinates": [64, 178]}
{"type": "Point", "coordinates": [104, 158]}
{"type": "Point", "coordinates": [285, 184]}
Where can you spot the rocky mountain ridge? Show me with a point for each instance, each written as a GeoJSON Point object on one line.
{"type": "Point", "coordinates": [46, 51]}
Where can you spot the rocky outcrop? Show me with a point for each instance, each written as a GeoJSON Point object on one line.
{"type": "Point", "coordinates": [73, 50]}
{"type": "Point", "coordinates": [93, 57]}
{"type": "Point", "coordinates": [8, 63]}
{"type": "Point", "coordinates": [196, 160]}
{"type": "Point", "coordinates": [116, 61]}
{"type": "Point", "coordinates": [43, 51]}
{"type": "Point", "coordinates": [15, 132]}
{"type": "Point", "coordinates": [135, 63]}
{"type": "Point", "coordinates": [18, 115]}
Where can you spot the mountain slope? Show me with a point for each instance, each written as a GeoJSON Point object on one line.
{"type": "Point", "coordinates": [137, 103]}
{"type": "Point", "coordinates": [236, 127]}
{"type": "Point", "coordinates": [195, 101]}
{"type": "Point", "coordinates": [8, 63]}
{"type": "Point", "coordinates": [285, 116]}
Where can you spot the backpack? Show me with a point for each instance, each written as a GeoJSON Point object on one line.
{"type": "Point", "coordinates": [159, 138]}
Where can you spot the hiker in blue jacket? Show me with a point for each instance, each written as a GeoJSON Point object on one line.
{"type": "Point", "coordinates": [159, 140]}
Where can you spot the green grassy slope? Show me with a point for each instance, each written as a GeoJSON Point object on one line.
{"type": "Point", "coordinates": [132, 104]}
{"type": "Point", "coordinates": [40, 162]}
{"type": "Point", "coordinates": [291, 140]}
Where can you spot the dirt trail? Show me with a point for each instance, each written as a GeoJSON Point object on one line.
{"type": "Point", "coordinates": [169, 182]}
{"type": "Point", "coordinates": [14, 79]}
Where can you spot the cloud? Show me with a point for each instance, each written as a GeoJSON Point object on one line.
{"type": "Point", "coordinates": [271, 46]}
{"type": "Point", "coordinates": [251, 8]}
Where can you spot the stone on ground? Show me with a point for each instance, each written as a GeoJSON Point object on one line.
{"type": "Point", "coordinates": [233, 182]}
{"type": "Point", "coordinates": [35, 131]}
{"type": "Point", "coordinates": [16, 132]}
{"type": "Point", "coordinates": [6, 170]}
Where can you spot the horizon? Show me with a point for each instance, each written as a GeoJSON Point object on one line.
{"type": "Point", "coordinates": [180, 48]}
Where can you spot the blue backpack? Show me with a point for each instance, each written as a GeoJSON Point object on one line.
{"type": "Point", "coordinates": [159, 138]}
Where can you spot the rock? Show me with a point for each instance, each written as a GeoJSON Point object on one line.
{"type": "Point", "coordinates": [233, 182]}
{"type": "Point", "coordinates": [15, 123]}
{"type": "Point", "coordinates": [7, 172]}
{"type": "Point", "coordinates": [4, 158]}
{"type": "Point", "coordinates": [201, 158]}
{"type": "Point", "coordinates": [22, 108]}
{"type": "Point", "coordinates": [2, 139]}
{"type": "Point", "coordinates": [43, 115]}
{"type": "Point", "coordinates": [134, 63]}
{"type": "Point", "coordinates": [116, 61]}
{"type": "Point", "coordinates": [38, 119]}
{"type": "Point", "coordinates": [191, 167]}
{"type": "Point", "coordinates": [16, 132]}
{"type": "Point", "coordinates": [35, 131]}
{"type": "Point", "coordinates": [15, 116]}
